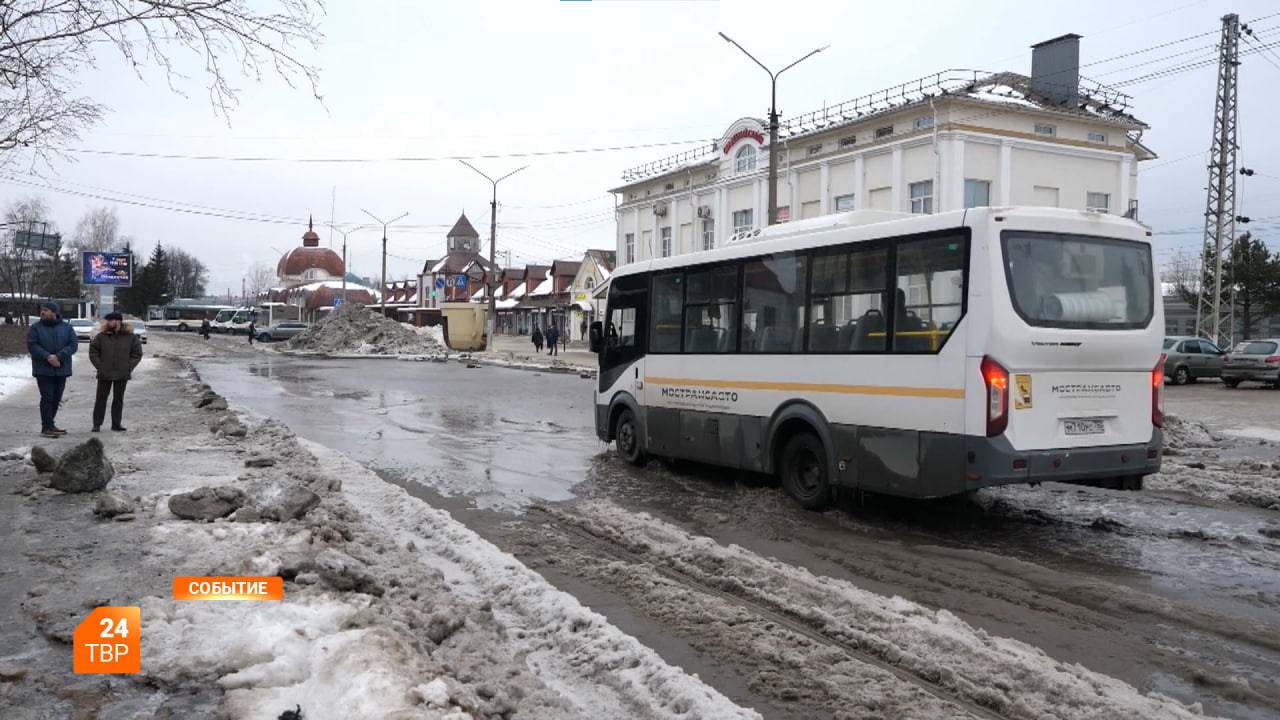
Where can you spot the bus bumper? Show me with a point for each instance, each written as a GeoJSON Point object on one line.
{"type": "Point", "coordinates": [993, 461]}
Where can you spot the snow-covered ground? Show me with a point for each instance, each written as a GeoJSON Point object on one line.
{"type": "Point", "coordinates": [392, 609]}
{"type": "Point", "coordinates": [15, 373]}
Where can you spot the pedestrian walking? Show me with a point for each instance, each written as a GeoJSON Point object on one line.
{"type": "Point", "coordinates": [253, 330]}
{"type": "Point", "coordinates": [536, 337]}
{"type": "Point", "coordinates": [51, 342]}
{"type": "Point", "coordinates": [115, 352]}
{"type": "Point", "coordinates": [582, 329]}
{"type": "Point", "coordinates": [553, 339]}
{"type": "Point", "coordinates": [205, 328]}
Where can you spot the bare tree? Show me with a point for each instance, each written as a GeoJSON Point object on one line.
{"type": "Point", "coordinates": [187, 275]}
{"type": "Point", "coordinates": [1182, 271]}
{"type": "Point", "coordinates": [98, 230]}
{"type": "Point", "coordinates": [44, 44]}
{"type": "Point", "coordinates": [258, 280]}
{"type": "Point", "coordinates": [19, 266]}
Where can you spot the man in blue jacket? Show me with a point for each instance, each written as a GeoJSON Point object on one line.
{"type": "Point", "coordinates": [52, 342]}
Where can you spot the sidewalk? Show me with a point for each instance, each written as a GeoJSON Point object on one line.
{"type": "Point", "coordinates": [391, 608]}
{"type": "Point", "coordinates": [518, 349]}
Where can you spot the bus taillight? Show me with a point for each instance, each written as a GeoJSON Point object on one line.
{"type": "Point", "coordinates": [1157, 393]}
{"type": "Point", "coordinates": [996, 379]}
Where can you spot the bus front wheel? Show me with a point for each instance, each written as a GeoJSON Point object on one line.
{"type": "Point", "coordinates": [182, 327]}
{"type": "Point", "coordinates": [628, 438]}
{"type": "Point", "coordinates": [804, 471]}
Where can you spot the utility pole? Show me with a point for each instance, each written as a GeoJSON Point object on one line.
{"type": "Point", "coordinates": [773, 121]}
{"type": "Point", "coordinates": [382, 292]}
{"type": "Point", "coordinates": [490, 277]}
{"type": "Point", "coordinates": [1220, 205]}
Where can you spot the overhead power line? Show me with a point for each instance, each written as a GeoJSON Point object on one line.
{"type": "Point", "coordinates": [392, 159]}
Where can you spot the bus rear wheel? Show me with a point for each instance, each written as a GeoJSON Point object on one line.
{"type": "Point", "coordinates": [627, 437]}
{"type": "Point", "coordinates": [804, 473]}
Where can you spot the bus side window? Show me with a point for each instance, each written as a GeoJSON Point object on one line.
{"type": "Point", "coordinates": [929, 298]}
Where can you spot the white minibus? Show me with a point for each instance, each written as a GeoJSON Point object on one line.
{"type": "Point", "coordinates": [912, 355]}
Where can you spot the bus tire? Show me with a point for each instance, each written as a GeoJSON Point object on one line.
{"type": "Point", "coordinates": [182, 327]}
{"type": "Point", "coordinates": [804, 472]}
{"type": "Point", "coordinates": [627, 438]}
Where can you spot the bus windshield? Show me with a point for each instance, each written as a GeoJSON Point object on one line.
{"type": "Point", "coordinates": [1074, 281]}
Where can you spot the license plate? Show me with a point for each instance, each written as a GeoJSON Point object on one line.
{"type": "Point", "coordinates": [1084, 426]}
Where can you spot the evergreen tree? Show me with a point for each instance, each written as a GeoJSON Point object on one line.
{"type": "Point", "coordinates": [151, 285]}
{"type": "Point", "coordinates": [1253, 270]}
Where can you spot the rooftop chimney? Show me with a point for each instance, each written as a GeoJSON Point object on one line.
{"type": "Point", "coordinates": [1055, 70]}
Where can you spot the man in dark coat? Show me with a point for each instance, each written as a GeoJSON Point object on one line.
{"type": "Point", "coordinates": [115, 352]}
{"type": "Point", "coordinates": [51, 342]}
{"type": "Point", "coordinates": [553, 338]}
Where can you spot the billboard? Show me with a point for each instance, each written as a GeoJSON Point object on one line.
{"type": "Point", "coordinates": [106, 268]}
{"type": "Point", "coordinates": [47, 242]}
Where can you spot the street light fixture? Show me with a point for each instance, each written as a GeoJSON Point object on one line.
{"type": "Point", "coordinates": [773, 120]}
{"type": "Point", "coordinates": [490, 284]}
{"type": "Point", "coordinates": [382, 293]}
{"type": "Point", "coordinates": [344, 234]}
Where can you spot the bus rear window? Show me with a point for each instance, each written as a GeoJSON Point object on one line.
{"type": "Point", "coordinates": [1075, 281]}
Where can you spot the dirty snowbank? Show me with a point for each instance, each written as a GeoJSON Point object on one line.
{"type": "Point", "coordinates": [597, 669]}
{"type": "Point", "coordinates": [355, 329]}
{"type": "Point", "coordinates": [1193, 464]}
{"type": "Point", "coordinates": [1008, 676]}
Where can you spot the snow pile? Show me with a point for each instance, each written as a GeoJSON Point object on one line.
{"type": "Point", "coordinates": [354, 329]}
{"type": "Point", "coordinates": [1182, 434]}
{"type": "Point", "coordinates": [15, 372]}
{"type": "Point", "coordinates": [434, 333]}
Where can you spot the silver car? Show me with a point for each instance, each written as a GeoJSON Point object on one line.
{"type": "Point", "coordinates": [281, 331]}
{"type": "Point", "coordinates": [1256, 360]}
{"type": "Point", "coordinates": [1189, 358]}
{"type": "Point", "coordinates": [84, 328]}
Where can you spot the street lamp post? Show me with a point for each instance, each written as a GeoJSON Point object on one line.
{"type": "Point", "coordinates": [773, 121]}
{"type": "Point", "coordinates": [382, 292]}
{"type": "Point", "coordinates": [490, 284]}
{"type": "Point", "coordinates": [344, 234]}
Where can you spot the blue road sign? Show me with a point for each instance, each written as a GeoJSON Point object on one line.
{"type": "Point", "coordinates": [439, 283]}
{"type": "Point", "coordinates": [460, 281]}
{"type": "Point", "coordinates": [337, 301]}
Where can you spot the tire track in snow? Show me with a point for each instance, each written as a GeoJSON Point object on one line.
{"type": "Point", "coordinates": [608, 547]}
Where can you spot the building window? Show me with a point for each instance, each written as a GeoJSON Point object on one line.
{"type": "Point", "coordinates": [743, 220]}
{"type": "Point", "coordinates": [669, 187]}
{"type": "Point", "coordinates": [1098, 202]}
{"type": "Point", "coordinates": [1044, 196]}
{"type": "Point", "coordinates": [708, 234]}
{"type": "Point", "coordinates": [590, 283]}
{"type": "Point", "coordinates": [1046, 129]}
{"type": "Point", "coordinates": [924, 122]}
{"type": "Point", "coordinates": [814, 150]}
{"type": "Point", "coordinates": [930, 293]}
{"type": "Point", "coordinates": [845, 202]}
{"type": "Point", "coordinates": [1098, 137]}
{"type": "Point", "coordinates": [922, 197]}
{"type": "Point", "coordinates": [646, 242]}
{"type": "Point", "coordinates": [784, 213]}
{"type": "Point", "coordinates": [710, 310]}
{"type": "Point", "coordinates": [666, 241]}
{"type": "Point", "coordinates": [745, 159]}
{"type": "Point", "coordinates": [773, 304]}
{"type": "Point", "coordinates": [846, 301]}
{"type": "Point", "coordinates": [629, 247]}
{"type": "Point", "coordinates": [977, 193]}
{"type": "Point", "coordinates": [884, 132]}
{"type": "Point", "coordinates": [848, 141]}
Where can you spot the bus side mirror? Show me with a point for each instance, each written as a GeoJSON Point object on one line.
{"type": "Point", "coordinates": [597, 337]}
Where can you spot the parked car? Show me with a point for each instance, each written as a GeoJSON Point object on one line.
{"type": "Point", "coordinates": [139, 329]}
{"type": "Point", "coordinates": [84, 328]}
{"type": "Point", "coordinates": [1188, 359]}
{"type": "Point", "coordinates": [281, 331]}
{"type": "Point", "coordinates": [1253, 360]}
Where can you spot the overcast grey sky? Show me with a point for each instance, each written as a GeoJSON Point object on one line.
{"type": "Point", "coordinates": [433, 78]}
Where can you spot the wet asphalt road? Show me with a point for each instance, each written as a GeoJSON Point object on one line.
{"type": "Point", "coordinates": [1166, 593]}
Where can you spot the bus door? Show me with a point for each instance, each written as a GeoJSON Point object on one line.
{"type": "Point", "coordinates": [622, 360]}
